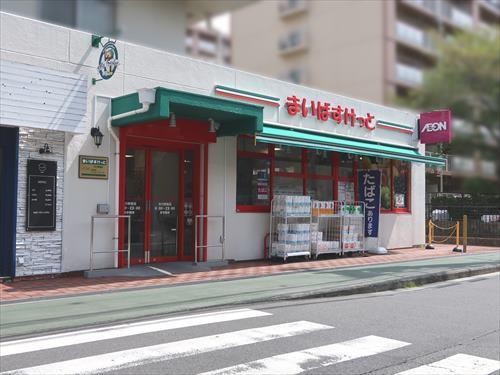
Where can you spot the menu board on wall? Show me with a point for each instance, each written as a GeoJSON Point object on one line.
{"type": "Point", "coordinates": [41, 195]}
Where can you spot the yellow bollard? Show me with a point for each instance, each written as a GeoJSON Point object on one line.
{"type": "Point", "coordinates": [457, 248]}
{"type": "Point", "coordinates": [429, 245]}
{"type": "Point", "coordinates": [465, 233]}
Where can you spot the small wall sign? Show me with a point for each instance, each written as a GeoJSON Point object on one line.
{"type": "Point", "coordinates": [435, 127]}
{"type": "Point", "coordinates": [93, 167]}
{"type": "Point", "coordinates": [108, 60]}
{"type": "Point", "coordinates": [41, 195]}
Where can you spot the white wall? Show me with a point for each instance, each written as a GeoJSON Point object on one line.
{"type": "Point", "coordinates": [36, 43]}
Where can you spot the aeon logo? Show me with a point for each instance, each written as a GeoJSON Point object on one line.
{"type": "Point", "coordinates": [434, 127]}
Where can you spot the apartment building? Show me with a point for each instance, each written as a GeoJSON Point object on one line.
{"type": "Point", "coordinates": [153, 23]}
{"type": "Point", "coordinates": [208, 44]}
{"type": "Point", "coordinates": [375, 50]}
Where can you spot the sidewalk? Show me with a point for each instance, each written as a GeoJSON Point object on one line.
{"type": "Point", "coordinates": [85, 310]}
{"type": "Point", "coordinates": [66, 286]}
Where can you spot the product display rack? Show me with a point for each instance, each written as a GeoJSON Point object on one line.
{"type": "Point", "coordinates": [290, 227]}
{"type": "Point", "coordinates": [353, 227]}
{"type": "Point", "coordinates": [326, 228]}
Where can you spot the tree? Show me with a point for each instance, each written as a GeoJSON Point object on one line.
{"type": "Point", "coordinates": [466, 79]}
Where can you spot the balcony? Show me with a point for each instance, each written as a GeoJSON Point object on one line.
{"type": "Point", "coordinates": [293, 42]}
{"type": "Point", "coordinates": [494, 4]}
{"type": "Point", "coordinates": [414, 36]}
{"type": "Point", "coordinates": [289, 8]}
{"type": "Point", "coordinates": [295, 75]}
{"type": "Point", "coordinates": [429, 6]}
{"type": "Point", "coordinates": [409, 75]}
{"type": "Point", "coordinates": [459, 17]}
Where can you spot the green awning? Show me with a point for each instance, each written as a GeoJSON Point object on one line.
{"type": "Point", "coordinates": [234, 117]}
{"type": "Point", "coordinates": [308, 139]}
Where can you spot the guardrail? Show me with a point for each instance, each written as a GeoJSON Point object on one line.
{"type": "Point", "coordinates": [222, 238]}
{"type": "Point", "coordinates": [92, 252]}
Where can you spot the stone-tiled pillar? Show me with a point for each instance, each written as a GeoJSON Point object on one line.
{"type": "Point", "coordinates": [39, 252]}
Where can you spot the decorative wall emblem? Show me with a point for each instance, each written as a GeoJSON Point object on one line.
{"type": "Point", "coordinates": [108, 60]}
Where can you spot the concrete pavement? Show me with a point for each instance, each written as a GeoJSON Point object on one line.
{"type": "Point", "coordinates": [31, 317]}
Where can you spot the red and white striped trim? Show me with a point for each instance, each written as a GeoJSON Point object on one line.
{"type": "Point", "coordinates": [246, 97]}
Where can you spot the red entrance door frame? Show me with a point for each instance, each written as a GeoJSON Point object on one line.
{"type": "Point", "coordinates": [187, 135]}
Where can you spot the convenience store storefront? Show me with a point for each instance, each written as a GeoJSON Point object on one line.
{"type": "Point", "coordinates": [214, 141]}
{"type": "Point", "coordinates": [270, 159]}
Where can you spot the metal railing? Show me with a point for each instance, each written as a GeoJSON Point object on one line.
{"type": "Point", "coordinates": [483, 220]}
{"type": "Point", "coordinates": [92, 251]}
{"type": "Point", "coordinates": [222, 238]}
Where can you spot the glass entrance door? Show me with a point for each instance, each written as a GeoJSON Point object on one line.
{"type": "Point", "coordinates": [164, 212]}
{"type": "Point", "coordinates": [160, 195]}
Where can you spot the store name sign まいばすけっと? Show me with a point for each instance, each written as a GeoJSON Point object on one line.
{"type": "Point", "coordinates": [324, 111]}
{"type": "Point", "coordinates": [435, 127]}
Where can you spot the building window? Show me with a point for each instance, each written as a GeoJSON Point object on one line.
{"type": "Point", "coordinates": [266, 170]}
{"type": "Point", "coordinates": [385, 188]}
{"type": "Point", "coordinates": [400, 183]}
{"type": "Point", "coordinates": [253, 172]}
{"type": "Point", "coordinates": [395, 189]}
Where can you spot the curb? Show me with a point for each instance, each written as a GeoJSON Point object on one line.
{"type": "Point", "coordinates": [362, 288]}
{"type": "Point", "coordinates": [382, 286]}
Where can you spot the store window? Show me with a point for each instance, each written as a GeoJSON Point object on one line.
{"type": "Point", "coordinates": [285, 185]}
{"type": "Point", "coordinates": [400, 178]}
{"type": "Point", "coordinates": [287, 159]}
{"type": "Point", "coordinates": [385, 189]}
{"type": "Point", "coordinates": [253, 176]}
{"type": "Point", "coordinates": [395, 185]}
{"type": "Point", "coordinates": [267, 170]}
{"type": "Point", "coordinates": [319, 162]}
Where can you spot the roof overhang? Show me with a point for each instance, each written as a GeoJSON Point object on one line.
{"type": "Point", "coordinates": [308, 139]}
{"type": "Point", "coordinates": [234, 117]}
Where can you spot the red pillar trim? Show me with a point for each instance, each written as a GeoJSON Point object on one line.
{"type": "Point", "coordinates": [205, 200]}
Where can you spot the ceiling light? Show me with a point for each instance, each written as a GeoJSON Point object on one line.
{"type": "Point", "coordinates": [173, 121]}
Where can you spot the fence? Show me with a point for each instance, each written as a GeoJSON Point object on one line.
{"type": "Point", "coordinates": [483, 220]}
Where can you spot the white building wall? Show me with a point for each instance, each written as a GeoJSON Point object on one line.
{"type": "Point", "coordinates": [36, 43]}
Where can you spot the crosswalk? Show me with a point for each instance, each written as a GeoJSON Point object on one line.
{"type": "Point", "coordinates": [291, 362]}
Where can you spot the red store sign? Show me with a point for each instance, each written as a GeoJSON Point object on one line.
{"type": "Point", "coordinates": [435, 127]}
{"type": "Point", "coordinates": [326, 111]}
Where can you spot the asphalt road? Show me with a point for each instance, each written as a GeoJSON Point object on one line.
{"type": "Point", "coordinates": [455, 324]}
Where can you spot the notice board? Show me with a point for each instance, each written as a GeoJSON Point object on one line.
{"type": "Point", "coordinates": [41, 195]}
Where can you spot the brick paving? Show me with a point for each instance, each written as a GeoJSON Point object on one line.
{"type": "Point", "coordinates": [25, 289]}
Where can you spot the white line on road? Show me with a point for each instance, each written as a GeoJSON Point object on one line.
{"type": "Point", "coordinates": [162, 271]}
{"type": "Point", "coordinates": [459, 364]}
{"type": "Point", "coordinates": [123, 330]}
{"type": "Point", "coordinates": [150, 354]}
{"type": "Point", "coordinates": [314, 358]}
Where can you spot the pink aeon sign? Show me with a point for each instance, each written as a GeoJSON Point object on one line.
{"type": "Point", "coordinates": [435, 126]}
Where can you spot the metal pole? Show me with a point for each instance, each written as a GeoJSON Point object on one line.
{"type": "Point", "coordinates": [196, 239]}
{"type": "Point", "coordinates": [91, 243]}
{"type": "Point", "coordinates": [129, 236]}
{"type": "Point", "coordinates": [465, 233]}
{"type": "Point", "coordinates": [223, 234]}
{"type": "Point", "coordinates": [458, 234]}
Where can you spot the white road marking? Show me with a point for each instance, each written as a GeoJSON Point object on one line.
{"type": "Point", "coordinates": [459, 364]}
{"type": "Point", "coordinates": [314, 358]}
{"type": "Point", "coordinates": [150, 354]}
{"type": "Point", "coordinates": [162, 271]}
{"type": "Point", "coordinates": [123, 330]}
